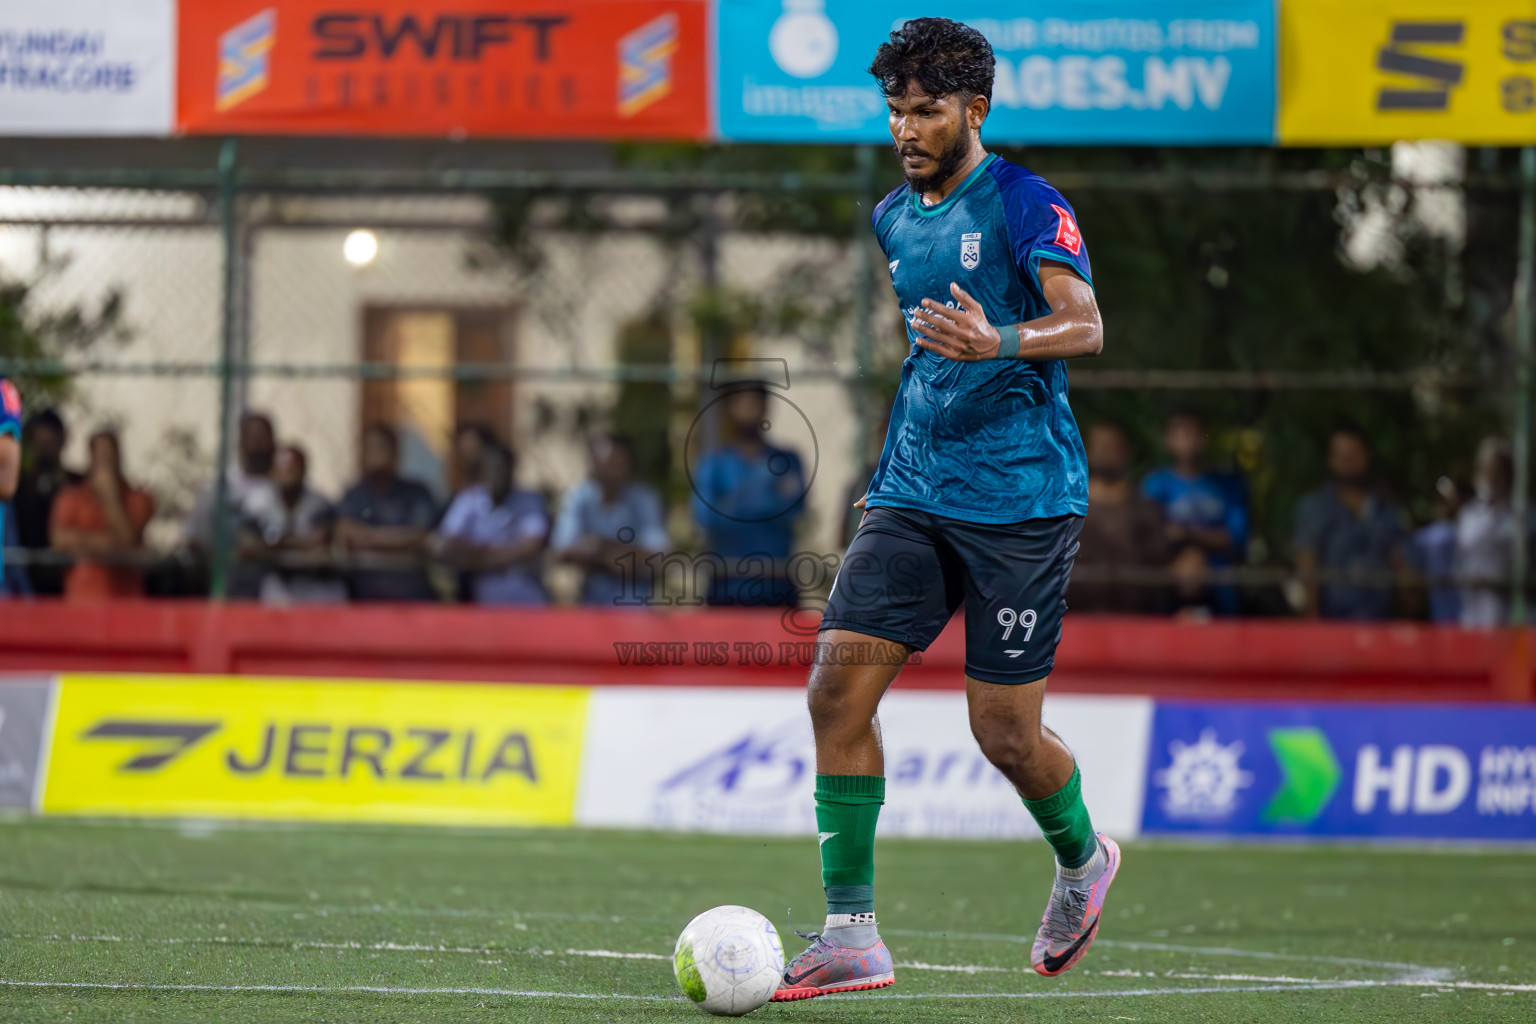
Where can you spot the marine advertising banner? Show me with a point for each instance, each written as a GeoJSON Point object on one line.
{"type": "Point", "coordinates": [1096, 71]}
{"type": "Point", "coordinates": [510, 68]}
{"type": "Point", "coordinates": [1375, 71]}
{"type": "Point", "coordinates": [1414, 771]}
{"type": "Point", "coordinates": [24, 702]}
{"type": "Point", "coordinates": [743, 760]}
{"type": "Point", "coordinates": [87, 67]}
{"type": "Point", "coordinates": [428, 753]}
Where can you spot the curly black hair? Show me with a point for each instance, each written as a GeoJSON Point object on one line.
{"type": "Point", "coordinates": [940, 56]}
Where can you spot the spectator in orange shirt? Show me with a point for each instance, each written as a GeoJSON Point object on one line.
{"type": "Point", "coordinates": [101, 516]}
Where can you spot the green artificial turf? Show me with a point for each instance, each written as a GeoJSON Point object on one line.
{"type": "Point", "coordinates": [1273, 930]}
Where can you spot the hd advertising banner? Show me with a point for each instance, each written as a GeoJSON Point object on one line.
{"type": "Point", "coordinates": [1413, 771]}
{"type": "Point", "coordinates": [512, 68]}
{"type": "Point", "coordinates": [1374, 71]}
{"type": "Point", "coordinates": [427, 753]}
{"type": "Point", "coordinates": [87, 67]}
{"type": "Point", "coordinates": [1095, 71]}
{"type": "Point", "coordinates": [743, 760]}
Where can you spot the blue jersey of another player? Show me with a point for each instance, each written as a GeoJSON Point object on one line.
{"type": "Point", "coordinates": [991, 441]}
{"type": "Point", "coordinates": [10, 426]}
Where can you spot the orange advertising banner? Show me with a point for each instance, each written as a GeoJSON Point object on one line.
{"type": "Point", "coordinates": [509, 68]}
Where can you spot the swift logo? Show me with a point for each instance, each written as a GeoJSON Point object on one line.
{"type": "Point", "coordinates": [1435, 76]}
{"type": "Point", "coordinates": [645, 64]}
{"type": "Point", "coordinates": [245, 59]}
{"type": "Point", "coordinates": [169, 739]}
{"type": "Point", "coordinates": [458, 37]}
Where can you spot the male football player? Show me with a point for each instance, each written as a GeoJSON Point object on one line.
{"type": "Point", "coordinates": [978, 499]}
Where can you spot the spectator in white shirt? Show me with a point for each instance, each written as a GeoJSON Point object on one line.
{"type": "Point", "coordinates": [609, 524]}
{"type": "Point", "coordinates": [1485, 539]}
{"type": "Point", "coordinates": [498, 534]}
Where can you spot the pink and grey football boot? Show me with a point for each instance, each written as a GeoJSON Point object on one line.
{"type": "Point", "coordinates": [1072, 917]}
{"type": "Point", "coordinates": [824, 969]}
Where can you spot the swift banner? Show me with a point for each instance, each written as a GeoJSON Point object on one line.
{"type": "Point", "coordinates": [1343, 770]}
{"type": "Point", "coordinates": [522, 68]}
{"type": "Point", "coordinates": [392, 752]}
{"type": "Point", "coordinates": [1110, 71]}
{"type": "Point", "coordinates": [1374, 71]}
{"type": "Point", "coordinates": [87, 67]}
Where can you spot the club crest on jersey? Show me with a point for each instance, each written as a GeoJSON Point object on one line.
{"type": "Point", "coordinates": [970, 250]}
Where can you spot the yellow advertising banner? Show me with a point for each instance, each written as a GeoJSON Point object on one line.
{"type": "Point", "coordinates": [1356, 72]}
{"type": "Point", "coordinates": [431, 753]}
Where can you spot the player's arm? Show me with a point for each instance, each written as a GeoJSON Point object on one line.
{"type": "Point", "coordinates": [10, 465]}
{"type": "Point", "coordinates": [1073, 328]}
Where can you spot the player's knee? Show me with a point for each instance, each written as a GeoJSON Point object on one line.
{"type": "Point", "coordinates": [830, 695]}
{"type": "Point", "coordinates": [1008, 746]}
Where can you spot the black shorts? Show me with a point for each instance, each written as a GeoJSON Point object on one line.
{"type": "Point", "coordinates": [907, 571]}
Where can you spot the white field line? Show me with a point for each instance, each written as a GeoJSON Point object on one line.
{"type": "Point", "coordinates": [390, 947]}
{"type": "Point", "coordinates": [1419, 970]}
{"type": "Point", "coordinates": [539, 994]}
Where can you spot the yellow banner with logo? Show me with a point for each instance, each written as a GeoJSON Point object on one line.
{"type": "Point", "coordinates": [334, 750]}
{"type": "Point", "coordinates": [1361, 72]}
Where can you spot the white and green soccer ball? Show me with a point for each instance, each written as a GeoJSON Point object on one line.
{"type": "Point", "coordinates": [729, 960]}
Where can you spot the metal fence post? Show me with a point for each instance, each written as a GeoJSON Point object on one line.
{"type": "Point", "coordinates": [1525, 342]}
{"type": "Point", "coordinates": [229, 301]}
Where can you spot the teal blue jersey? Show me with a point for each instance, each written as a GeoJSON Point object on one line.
{"type": "Point", "coordinates": [991, 441]}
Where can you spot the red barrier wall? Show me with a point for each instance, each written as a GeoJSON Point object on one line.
{"type": "Point", "coordinates": [1250, 659]}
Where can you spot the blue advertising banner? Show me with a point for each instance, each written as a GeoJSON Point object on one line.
{"type": "Point", "coordinates": [1420, 771]}
{"type": "Point", "coordinates": [1111, 71]}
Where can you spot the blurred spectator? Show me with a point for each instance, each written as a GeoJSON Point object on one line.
{"type": "Point", "coordinates": [498, 533]}
{"type": "Point", "coordinates": [1433, 553]}
{"type": "Point", "coordinates": [250, 476]}
{"type": "Point", "coordinates": [747, 496]}
{"type": "Point", "coordinates": [386, 516]}
{"type": "Point", "coordinates": [43, 476]}
{"type": "Point", "coordinates": [10, 469]}
{"type": "Point", "coordinates": [1349, 528]}
{"type": "Point", "coordinates": [1485, 538]}
{"type": "Point", "coordinates": [1123, 542]}
{"type": "Point", "coordinates": [609, 524]}
{"type": "Point", "coordinates": [470, 443]}
{"type": "Point", "coordinates": [1205, 514]}
{"type": "Point", "coordinates": [101, 521]}
{"type": "Point", "coordinates": [291, 524]}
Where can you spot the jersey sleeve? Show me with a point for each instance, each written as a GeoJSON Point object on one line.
{"type": "Point", "coordinates": [1041, 225]}
{"type": "Point", "coordinates": [879, 215]}
{"type": "Point", "coordinates": [10, 409]}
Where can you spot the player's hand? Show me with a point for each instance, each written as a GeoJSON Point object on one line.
{"type": "Point", "coordinates": [860, 502]}
{"type": "Point", "coordinates": [960, 334]}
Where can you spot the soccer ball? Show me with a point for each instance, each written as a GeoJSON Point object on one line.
{"type": "Point", "coordinates": [729, 960]}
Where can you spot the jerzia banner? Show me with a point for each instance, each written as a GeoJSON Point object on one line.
{"type": "Point", "coordinates": [510, 68]}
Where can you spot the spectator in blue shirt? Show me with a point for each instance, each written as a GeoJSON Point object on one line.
{"type": "Point", "coordinates": [1205, 513]}
{"type": "Point", "coordinates": [499, 533]}
{"type": "Point", "coordinates": [1351, 531]}
{"type": "Point", "coordinates": [747, 496]}
{"type": "Point", "coordinates": [609, 524]}
{"type": "Point", "coordinates": [1433, 554]}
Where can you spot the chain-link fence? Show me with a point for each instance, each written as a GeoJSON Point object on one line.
{"type": "Point", "coordinates": [543, 307]}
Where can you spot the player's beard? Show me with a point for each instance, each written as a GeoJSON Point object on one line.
{"type": "Point", "coordinates": [950, 160]}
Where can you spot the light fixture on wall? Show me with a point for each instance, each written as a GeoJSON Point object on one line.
{"type": "Point", "coordinates": [361, 247]}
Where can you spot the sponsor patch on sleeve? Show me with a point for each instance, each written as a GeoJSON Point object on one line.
{"type": "Point", "coordinates": [1067, 235]}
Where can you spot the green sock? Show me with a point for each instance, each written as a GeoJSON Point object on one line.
{"type": "Point", "coordinates": [1064, 820]}
{"type": "Point", "coordinates": [847, 807]}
